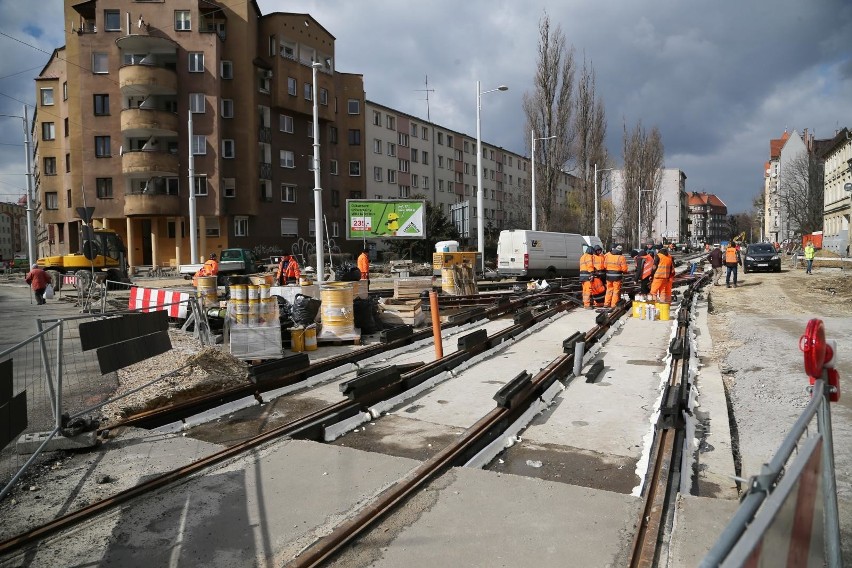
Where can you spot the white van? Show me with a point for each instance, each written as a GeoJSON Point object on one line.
{"type": "Point", "coordinates": [592, 241]}
{"type": "Point", "coordinates": [538, 254]}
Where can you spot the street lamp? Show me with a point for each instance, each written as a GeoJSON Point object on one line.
{"type": "Point", "coordinates": [31, 243]}
{"type": "Point", "coordinates": [533, 138]}
{"type": "Point", "coordinates": [597, 171]}
{"type": "Point", "coordinates": [480, 204]}
{"type": "Point", "coordinates": [639, 228]}
{"type": "Point", "coordinates": [317, 189]}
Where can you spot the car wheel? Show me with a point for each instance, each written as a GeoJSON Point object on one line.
{"type": "Point", "coordinates": [776, 269]}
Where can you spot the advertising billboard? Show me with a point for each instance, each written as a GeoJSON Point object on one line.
{"type": "Point", "coordinates": [385, 218]}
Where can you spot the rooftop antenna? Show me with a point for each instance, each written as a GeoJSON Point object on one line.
{"type": "Point", "coordinates": [427, 90]}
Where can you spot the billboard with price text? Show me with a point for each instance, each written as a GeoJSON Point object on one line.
{"type": "Point", "coordinates": [385, 218]}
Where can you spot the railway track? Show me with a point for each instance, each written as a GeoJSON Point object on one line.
{"type": "Point", "coordinates": [382, 384]}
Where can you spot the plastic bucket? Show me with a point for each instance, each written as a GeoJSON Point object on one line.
{"type": "Point", "coordinates": [207, 291]}
{"type": "Point", "coordinates": [663, 310]}
{"type": "Point", "coordinates": [297, 339]}
{"type": "Point", "coordinates": [240, 309]}
{"type": "Point", "coordinates": [448, 281]}
{"type": "Point", "coordinates": [338, 317]}
{"type": "Point", "coordinates": [253, 313]}
{"type": "Point", "coordinates": [311, 338]}
{"type": "Point", "coordinates": [639, 310]}
{"type": "Point", "coordinates": [269, 311]}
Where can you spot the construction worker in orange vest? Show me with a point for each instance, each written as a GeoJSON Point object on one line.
{"type": "Point", "coordinates": [616, 267]}
{"type": "Point", "coordinates": [598, 287]}
{"type": "Point", "coordinates": [644, 270]}
{"type": "Point", "coordinates": [364, 265]}
{"type": "Point", "coordinates": [661, 288]}
{"type": "Point", "coordinates": [288, 270]}
{"type": "Point", "coordinates": [209, 268]}
{"type": "Point", "coordinates": [587, 269]}
{"type": "Point", "coordinates": [732, 259]}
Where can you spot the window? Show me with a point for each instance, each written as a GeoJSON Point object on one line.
{"type": "Point", "coordinates": [48, 131]}
{"type": "Point", "coordinates": [441, 138]}
{"type": "Point", "coordinates": [309, 92]}
{"type": "Point", "coordinates": [391, 122]}
{"type": "Point", "coordinates": [112, 20]}
{"type": "Point", "coordinates": [227, 108]}
{"type": "Point", "coordinates": [46, 96]}
{"type": "Point", "coordinates": [100, 63]}
{"type": "Point", "coordinates": [391, 149]}
{"type": "Point", "coordinates": [196, 62]}
{"type": "Point", "coordinates": [335, 198]}
{"type": "Point", "coordinates": [312, 227]}
{"type": "Point", "coordinates": [425, 158]}
{"type": "Point", "coordinates": [104, 188]}
{"type": "Point", "coordinates": [285, 123]}
{"type": "Point", "coordinates": [272, 49]}
{"type": "Point", "coordinates": [226, 69]}
{"type": "Point", "coordinates": [182, 21]}
{"type": "Point", "coordinates": [65, 91]}
{"type": "Point", "coordinates": [199, 144]}
{"type": "Point", "coordinates": [377, 118]}
{"type": "Point", "coordinates": [197, 103]}
{"type": "Point", "coordinates": [403, 139]}
{"type": "Point", "coordinates": [200, 183]}
{"type": "Point", "coordinates": [466, 147]}
{"type": "Point", "coordinates": [332, 167]}
{"type": "Point", "coordinates": [413, 130]}
{"type": "Point", "coordinates": [440, 161]}
{"type": "Point", "coordinates": [50, 166]}
{"type": "Point", "coordinates": [212, 229]}
{"type": "Point", "coordinates": [102, 147]}
{"type": "Point", "coordinates": [449, 141]}
{"type": "Point", "coordinates": [51, 200]}
{"type": "Point", "coordinates": [286, 159]}
{"type": "Point", "coordinates": [229, 187]}
{"type": "Point", "coordinates": [323, 94]}
{"type": "Point", "coordinates": [240, 226]}
{"type": "Point", "coordinates": [377, 173]}
{"type": "Point", "coordinates": [424, 133]}
{"type": "Point", "coordinates": [335, 229]}
{"type": "Point", "coordinates": [404, 165]}
{"type": "Point", "coordinates": [414, 155]}
{"type": "Point", "coordinates": [459, 156]}
{"type": "Point", "coordinates": [265, 191]}
{"type": "Point", "coordinates": [425, 182]}
{"type": "Point", "coordinates": [291, 86]}
{"type": "Point", "coordinates": [404, 191]}
{"type": "Point", "coordinates": [355, 168]}
{"type": "Point", "coordinates": [353, 106]}
{"type": "Point", "coordinates": [101, 104]}
{"type": "Point", "coordinates": [450, 165]}
{"type": "Point", "coordinates": [289, 227]}
{"type": "Point", "coordinates": [228, 148]}
{"type": "Point", "coordinates": [377, 146]}
{"type": "Point", "coordinates": [440, 185]}
{"type": "Point", "coordinates": [68, 162]}
{"type": "Point", "coordinates": [414, 180]}
{"type": "Point", "coordinates": [288, 193]}
{"type": "Point", "coordinates": [391, 176]}
{"type": "Point", "coordinates": [354, 137]}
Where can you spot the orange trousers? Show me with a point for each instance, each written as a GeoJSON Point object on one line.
{"type": "Point", "coordinates": [587, 294]}
{"type": "Point", "coordinates": [613, 293]}
{"type": "Point", "coordinates": [661, 289]}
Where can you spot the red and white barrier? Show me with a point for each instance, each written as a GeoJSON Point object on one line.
{"type": "Point", "coordinates": [69, 279]}
{"type": "Point", "coordinates": [155, 300]}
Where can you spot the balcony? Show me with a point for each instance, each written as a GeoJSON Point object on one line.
{"type": "Point", "coordinates": [140, 122]}
{"type": "Point", "coordinates": [151, 204]}
{"type": "Point", "coordinates": [149, 163]}
{"type": "Point", "coordinates": [140, 79]}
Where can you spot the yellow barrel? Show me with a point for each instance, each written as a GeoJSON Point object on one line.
{"type": "Point", "coordinates": [639, 310]}
{"type": "Point", "coordinates": [262, 280]}
{"type": "Point", "coordinates": [207, 292]}
{"type": "Point", "coordinates": [338, 318]}
{"type": "Point", "coordinates": [448, 281]}
{"type": "Point", "coordinates": [297, 339]}
{"type": "Point", "coordinates": [240, 310]}
{"type": "Point", "coordinates": [253, 293]}
{"type": "Point", "coordinates": [263, 291]}
{"type": "Point", "coordinates": [239, 292]}
{"type": "Point", "coordinates": [311, 338]}
{"type": "Point", "coordinates": [269, 311]}
{"type": "Point", "coordinates": [663, 310]}
{"type": "Point", "coordinates": [253, 313]}
{"type": "Point", "coordinates": [305, 281]}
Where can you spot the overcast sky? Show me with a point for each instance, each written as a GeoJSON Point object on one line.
{"type": "Point", "coordinates": [718, 79]}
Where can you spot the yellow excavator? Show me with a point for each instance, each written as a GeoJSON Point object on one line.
{"type": "Point", "coordinates": [739, 239]}
{"type": "Point", "coordinates": [102, 252]}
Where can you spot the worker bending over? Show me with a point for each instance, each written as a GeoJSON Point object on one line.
{"type": "Point", "coordinates": [616, 268]}
{"type": "Point", "coordinates": [663, 277]}
{"type": "Point", "coordinates": [209, 268]}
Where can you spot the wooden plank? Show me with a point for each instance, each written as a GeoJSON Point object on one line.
{"type": "Point", "coordinates": [100, 333]}
{"type": "Point", "coordinates": [120, 355]}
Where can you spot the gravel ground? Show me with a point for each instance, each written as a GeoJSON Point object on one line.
{"type": "Point", "coordinates": [756, 329]}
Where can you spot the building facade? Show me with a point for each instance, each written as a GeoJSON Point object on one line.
{"type": "Point", "coordinates": [113, 128]}
{"type": "Point", "coordinates": [13, 230]}
{"type": "Point", "coordinates": [709, 216]}
{"type": "Point", "coordinates": [672, 217]}
{"type": "Point", "coordinates": [838, 193]}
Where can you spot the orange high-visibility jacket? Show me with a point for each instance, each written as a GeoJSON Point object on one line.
{"type": "Point", "coordinates": [647, 266]}
{"type": "Point", "coordinates": [665, 270]}
{"type": "Point", "coordinates": [364, 265]}
{"type": "Point", "coordinates": [587, 266]}
{"type": "Point", "coordinates": [731, 255]}
{"type": "Point", "coordinates": [616, 266]}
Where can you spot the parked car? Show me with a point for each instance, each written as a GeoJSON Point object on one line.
{"type": "Point", "coordinates": [761, 256]}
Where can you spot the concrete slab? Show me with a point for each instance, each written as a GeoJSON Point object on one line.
{"type": "Point", "coordinates": [259, 510]}
{"type": "Point", "coordinates": [471, 517]}
{"type": "Point", "coordinates": [698, 523]}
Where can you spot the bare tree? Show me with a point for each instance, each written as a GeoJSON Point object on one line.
{"type": "Point", "coordinates": [548, 111]}
{"type": "Point", "coordinates": [801, 192]}
{"type": "Point", "coordinates": [590, 129]}
{"type": "Point", "coordinates": [642, 177]}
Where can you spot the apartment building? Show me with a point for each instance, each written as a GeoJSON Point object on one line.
{"type": "Point", "coordinates": [709, 216]}
{"type": "Point", "coordinates": [838, 193]}
{"type": "Point", "coordinates": [13, 229]}
{"type": "Point", "coordinates": [112, 123]}
{"type": "Point", "coordinates": [670, 216]}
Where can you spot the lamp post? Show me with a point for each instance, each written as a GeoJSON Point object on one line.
{"type": "Point", "coordinates": [31, 243]}
{"type": "Point", "coordinates": [317, 189]}
{"type": "Point", "coordinates": [597, 171]}
{"type": "Point", "coordinates": [533, 138]}
{"type": "Point", "coordinates": [480, 203]}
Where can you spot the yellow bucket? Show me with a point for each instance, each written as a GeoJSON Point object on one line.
{"type": "Point", "coordinates": [253, 312]}
{"type": "Point", "coordinates": [639, 310]}
{"type": "Point", "coordinates": [253, 293]}
{"type": "Point", "coordinates": [311, 338]}
{"type": "Point", "coordinates": [297, 339]}
{"type": "Point", "coordinates": [663, 310]}
{"type": "Point", "coordinates": [240, 309]}
{"type": "Point", "coordinates": [239, 292]}
{"type": "Point", "coordinates": [448, 281]}
{"type": "Point", "coordinates": [338, 317]}
{"type": "Point", "coordinates": [207, 291]}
